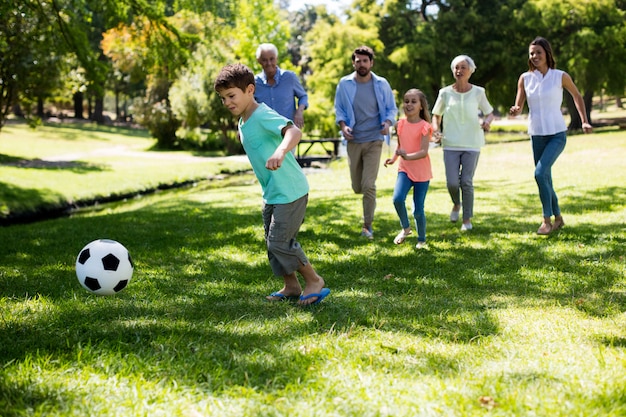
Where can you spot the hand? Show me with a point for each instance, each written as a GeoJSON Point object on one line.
{"type": "Point", "coordinates": [384, 128]}
{"type": "Point", "coordinates": [587, 128]}
{"type": "Point", "coordinates": [275, 161]}
{"type": "Point", "coordinates": [389, 161]}
{"type": "Point", "coordinates": [486, 126]}
{"type": "Point", "coordinates": [347, 133]}
{"type": "Point", "coordinates": [515, 110]}
{"type": "Point", "coordinates": [437, 136]}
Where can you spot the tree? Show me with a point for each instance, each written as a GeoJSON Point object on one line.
{"type": "Point", "coordinates": [487, 31]}
{"type": "Point", "coordinates": [166, 50]}
{"type": "Point", "coordinates": [256, 22]}
{"type": "Point", "coordinates": [193, 98]}
{"type": "Point", "coordinates": [28, 68]}
{"type": "Point", "coordinates": [329, 45]}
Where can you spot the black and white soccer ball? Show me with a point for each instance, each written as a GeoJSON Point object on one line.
{"type": "Point", "coordinates": [104, 267]}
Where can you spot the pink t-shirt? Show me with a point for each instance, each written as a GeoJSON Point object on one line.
{"type": "Point", "coordinates": [410, 137]}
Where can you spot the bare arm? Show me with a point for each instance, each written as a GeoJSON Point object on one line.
{"type": "Point", "coordinates": [291, 137]}
{"type": "Point", "coordinates": [424, 146]}
{"type": "Point", "coordinates": [486, 125]}
{"type": "Point", "coordinates": [520, 98]}
{"type": "Point", "coordinates": [569, 85]}
{"type": "Point", "coordinates": [436, 122]}
{"type": "Point", "coordinates": [298, 116]}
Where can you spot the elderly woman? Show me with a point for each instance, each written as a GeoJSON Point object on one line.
{"type": "Point", "coordinates": [462, 135]}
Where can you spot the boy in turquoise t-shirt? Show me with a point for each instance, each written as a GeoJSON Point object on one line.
{"type": "Point", "coordinates": [268, 138]}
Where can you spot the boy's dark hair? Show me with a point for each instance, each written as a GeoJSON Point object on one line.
{"type": "Point", "coordinates": [234, 76]}
{"type": "Point", "coordinates": [363, 50]}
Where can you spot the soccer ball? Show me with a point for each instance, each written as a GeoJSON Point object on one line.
{"type": "Point", "coordinates": [104, 267]}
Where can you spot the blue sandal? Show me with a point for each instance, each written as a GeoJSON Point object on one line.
{"type": "Point", "coordinates": [282, 297]}
{"type": "Point", "coordinates": [320, 296]}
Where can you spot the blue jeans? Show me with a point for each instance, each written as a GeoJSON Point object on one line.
{"type": "Point", "coordinates": [401, 190]}
{"type": "Point", "coordinates": [546, 149]}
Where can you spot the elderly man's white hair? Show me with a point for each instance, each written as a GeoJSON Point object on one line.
{"type": "Point", "coordinates": [462, 58]}
{"type": "Point", "coordinates": [266, 47]}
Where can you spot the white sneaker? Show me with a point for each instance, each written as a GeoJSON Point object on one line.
{"type": "Point", "coordinates": [420, 245]}
{"type": "Point", "coordinates": [466, 227]}
{"type": "Point", "coordinates": [454, 216]}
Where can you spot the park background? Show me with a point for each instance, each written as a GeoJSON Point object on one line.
{"type": "Point", "coordinates": [497, 322]}
{"type": "Point", "coordinates": [153, 63]}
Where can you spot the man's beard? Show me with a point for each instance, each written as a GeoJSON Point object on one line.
{"type": "Point", "coordinates": [363, 71]}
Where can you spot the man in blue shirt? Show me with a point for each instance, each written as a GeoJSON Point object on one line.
{"type": "Point", "coordinates": [365, 108]}
{"type": "Point", "coordinates": [279, 89]}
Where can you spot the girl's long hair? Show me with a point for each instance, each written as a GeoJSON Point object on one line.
{"type": "Point", "coordinates": [424, 113]}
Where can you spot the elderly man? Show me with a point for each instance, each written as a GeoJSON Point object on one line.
{"type": "Point", "coordinates": [279, 89]}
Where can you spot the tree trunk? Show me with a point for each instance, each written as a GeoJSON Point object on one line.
{"type": "Point", "coordinates": [576, 122]}
{"type": "Point", "coordinates": [40, 107]}
{"type": "Point", "coordinates": [98, 114]}
{"type": "Point", "coordinates": [117, 105]}
{"type": "Point", "coordinates": [89, 108]}
{"type": "Point", "coordinates": [78, 105]}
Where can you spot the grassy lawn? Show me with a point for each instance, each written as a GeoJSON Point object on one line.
{"type": "Point", "coordinates": [57, 165]}
{"type": "Point", "coordinates": [496, 321]}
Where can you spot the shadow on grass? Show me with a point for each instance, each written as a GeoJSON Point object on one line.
{"type": "Point", "coordinates": [82, 129]}
{"type": "Point", "coordinates": [77, 167]}
{"type": "Point", "coordinates": [195, 313]}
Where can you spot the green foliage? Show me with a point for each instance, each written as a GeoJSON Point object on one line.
{"type": "Point", "coordinates": [28, 66]}
{"type": "Point", "coordinates": [256, 22]}
{"type": "Point", "coordinates": [140, 49]}
{"type": "Point", "coordinates": [157, 116]}
{"type": "Point", "coordinates": [330, 47]}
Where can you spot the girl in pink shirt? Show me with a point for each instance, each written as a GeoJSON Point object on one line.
{"type": "Point", "coordinates": [414, 170]}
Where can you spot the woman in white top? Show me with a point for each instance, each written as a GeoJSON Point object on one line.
{"type": "Point", "coordinates": [463, 135]}
{"type": "Point", "coordinates": [542, 85]}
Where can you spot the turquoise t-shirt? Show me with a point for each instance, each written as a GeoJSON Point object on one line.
{"type": "Point", "coordinates": [260, 136]}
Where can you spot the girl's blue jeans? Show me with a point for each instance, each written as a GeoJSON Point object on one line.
{"type": "Point", "coordinates": [546, 150]}
{"type": "Point", "coordinates": [401, 190]}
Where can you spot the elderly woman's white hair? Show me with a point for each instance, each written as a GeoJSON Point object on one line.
{"type": "Point", "coordinates": [462, 58]}
{"type": "Point", "coordinates": [266, 47]}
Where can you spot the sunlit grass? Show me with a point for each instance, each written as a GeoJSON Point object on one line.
{"type": "Point", "coordinates": [57, 167]}
{"type": "Point", "coordinates": [496, 321]}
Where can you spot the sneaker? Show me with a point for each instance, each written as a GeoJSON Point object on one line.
{"type": "Point", "coordinates": [420, 245]}
{"type": "Point", "coordinates": [367, 232]}
{"type": "Point", "coordinates": [454, 215]}
{"type": "Point", "coordinates": [466, 227]}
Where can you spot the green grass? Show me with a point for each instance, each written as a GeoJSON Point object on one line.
{"type": "Point", "coordinates": [497, 321]}
{"type": "Point", "coordinates": [54, 166]}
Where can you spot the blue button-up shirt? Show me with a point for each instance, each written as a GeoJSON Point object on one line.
{"type": "Point", "coordinates": [283, 94]}
{"type": "Point", "coordinates": [344, 100]}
